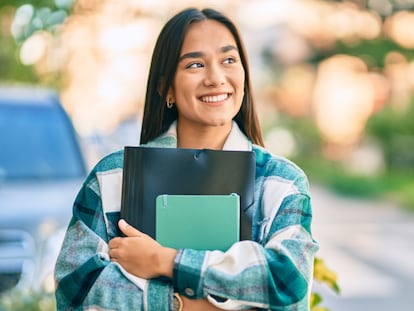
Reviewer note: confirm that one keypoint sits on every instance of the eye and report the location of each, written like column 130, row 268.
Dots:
column 229, row 60
column 195, row 65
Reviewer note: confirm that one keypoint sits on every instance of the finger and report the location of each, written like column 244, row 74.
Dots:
column 112, row 255
column 127, row 229
column 115, row 254
column 114, row 243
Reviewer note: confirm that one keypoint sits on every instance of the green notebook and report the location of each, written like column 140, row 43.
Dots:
column 201, row 222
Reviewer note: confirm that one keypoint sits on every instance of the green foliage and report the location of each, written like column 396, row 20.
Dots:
column 324, row 275
column 17, row 3
column 36, row 17
column 373, row 52
column 394, row 185
column 11, row 69
column 391, row 128
column 27, row 300
column 394, row 130
column 307, row 136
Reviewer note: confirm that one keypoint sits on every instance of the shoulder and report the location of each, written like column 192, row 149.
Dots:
column 271, row 166
column 110, row 162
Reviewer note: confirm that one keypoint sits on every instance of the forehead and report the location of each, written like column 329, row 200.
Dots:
column 207, row 34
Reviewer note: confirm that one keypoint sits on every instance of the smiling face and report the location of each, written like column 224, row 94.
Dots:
column 208, row 86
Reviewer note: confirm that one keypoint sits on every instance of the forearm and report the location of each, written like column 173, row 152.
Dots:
column 258, row 278
column 85, row 277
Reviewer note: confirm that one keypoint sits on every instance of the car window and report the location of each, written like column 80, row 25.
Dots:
column 37, row 142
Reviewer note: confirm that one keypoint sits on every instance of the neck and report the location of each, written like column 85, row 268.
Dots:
column 212, row 137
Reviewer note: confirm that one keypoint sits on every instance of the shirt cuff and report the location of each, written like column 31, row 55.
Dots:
column 187, row 273
column 159, row 295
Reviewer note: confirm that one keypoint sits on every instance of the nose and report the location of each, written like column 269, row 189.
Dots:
column 215, row 76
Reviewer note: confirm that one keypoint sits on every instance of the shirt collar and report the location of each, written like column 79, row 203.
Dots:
column 236, row 141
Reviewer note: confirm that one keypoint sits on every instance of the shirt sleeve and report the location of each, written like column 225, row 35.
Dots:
column 84, row 274
column 274, row 272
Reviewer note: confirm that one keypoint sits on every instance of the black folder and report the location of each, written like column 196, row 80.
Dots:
column 152, row 171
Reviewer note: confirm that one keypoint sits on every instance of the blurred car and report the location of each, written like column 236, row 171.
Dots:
column 127, row 133
column 41, row 170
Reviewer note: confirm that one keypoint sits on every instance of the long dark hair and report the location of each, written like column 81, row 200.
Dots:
column 157, row 118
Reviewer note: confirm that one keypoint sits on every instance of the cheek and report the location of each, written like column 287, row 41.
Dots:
column 184, row 87
column 241, row 87
column 239, row 79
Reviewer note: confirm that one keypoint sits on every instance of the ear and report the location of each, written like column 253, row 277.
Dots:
column 161, row 86
column 171, row 95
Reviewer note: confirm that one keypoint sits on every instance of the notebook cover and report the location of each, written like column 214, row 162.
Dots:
column 201, row 222
column 149, row 172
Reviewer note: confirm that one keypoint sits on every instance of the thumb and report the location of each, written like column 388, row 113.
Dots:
column 127, row 229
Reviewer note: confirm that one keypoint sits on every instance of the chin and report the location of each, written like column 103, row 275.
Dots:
column 220, row 123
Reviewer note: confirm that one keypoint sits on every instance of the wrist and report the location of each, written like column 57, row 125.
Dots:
column 167, row 257
column 177, row 302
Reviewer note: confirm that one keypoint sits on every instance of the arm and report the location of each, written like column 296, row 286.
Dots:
column 142, row 256
column 275, row 271
column 84, row 274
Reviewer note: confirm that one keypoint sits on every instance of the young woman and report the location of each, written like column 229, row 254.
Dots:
column 198, row 96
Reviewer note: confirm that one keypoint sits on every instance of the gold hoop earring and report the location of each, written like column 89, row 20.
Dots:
column 169, row 104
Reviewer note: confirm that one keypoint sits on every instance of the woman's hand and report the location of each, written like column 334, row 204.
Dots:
column 141, row 255
column 144, row 257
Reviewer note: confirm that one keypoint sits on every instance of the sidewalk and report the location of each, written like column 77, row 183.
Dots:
column 370, row 245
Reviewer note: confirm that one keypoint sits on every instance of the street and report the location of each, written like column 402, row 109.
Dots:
column 370, row 245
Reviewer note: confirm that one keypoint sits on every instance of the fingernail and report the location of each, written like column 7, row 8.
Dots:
column 122, row 223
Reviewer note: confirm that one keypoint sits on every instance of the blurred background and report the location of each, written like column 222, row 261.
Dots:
column 334, row 84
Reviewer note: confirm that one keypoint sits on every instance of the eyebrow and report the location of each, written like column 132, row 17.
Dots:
column 197, row 54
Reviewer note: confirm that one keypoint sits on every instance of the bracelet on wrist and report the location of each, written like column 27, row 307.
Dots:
column 177, row 302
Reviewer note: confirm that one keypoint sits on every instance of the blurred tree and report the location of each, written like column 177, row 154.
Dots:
column 394, row 129
column 383, row 7
column 372, row 52
column 20, row 19
column 11, row 69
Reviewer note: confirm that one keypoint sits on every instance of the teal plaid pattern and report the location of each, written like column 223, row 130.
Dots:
column 272, row 272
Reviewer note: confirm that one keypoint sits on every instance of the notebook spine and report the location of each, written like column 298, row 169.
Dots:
column 131, row 204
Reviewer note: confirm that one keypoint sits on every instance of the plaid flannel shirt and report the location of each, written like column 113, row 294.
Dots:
column 274, row 271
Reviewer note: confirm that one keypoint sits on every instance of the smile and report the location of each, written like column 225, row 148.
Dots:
column 214, row 99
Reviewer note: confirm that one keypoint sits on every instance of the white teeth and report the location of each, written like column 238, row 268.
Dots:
column 213, row 99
